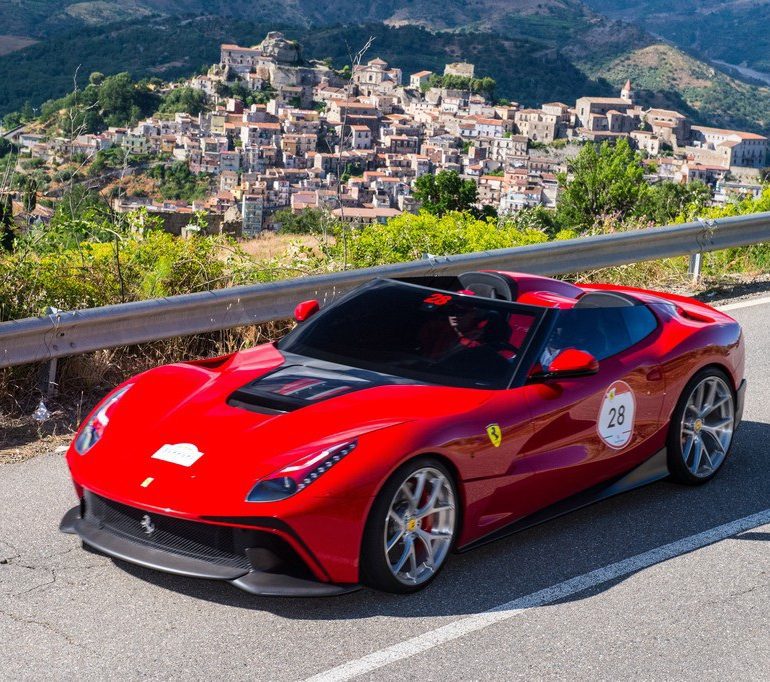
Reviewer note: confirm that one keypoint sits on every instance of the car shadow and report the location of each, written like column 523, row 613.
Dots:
column 543, row 556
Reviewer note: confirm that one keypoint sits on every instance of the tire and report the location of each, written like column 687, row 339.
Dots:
column 420, row 526
column 702, row 427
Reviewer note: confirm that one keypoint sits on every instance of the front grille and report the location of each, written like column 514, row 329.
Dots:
column 221, row 545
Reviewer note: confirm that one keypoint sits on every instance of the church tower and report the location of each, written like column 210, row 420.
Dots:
column 627, row 92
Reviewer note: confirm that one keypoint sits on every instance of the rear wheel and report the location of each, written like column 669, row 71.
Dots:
column 702, row 426
column 411, row 528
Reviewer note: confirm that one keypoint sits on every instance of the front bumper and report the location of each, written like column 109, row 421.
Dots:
column 251, row 559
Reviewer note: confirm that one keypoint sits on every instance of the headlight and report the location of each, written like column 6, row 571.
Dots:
column 298, row 476
column 93, row 429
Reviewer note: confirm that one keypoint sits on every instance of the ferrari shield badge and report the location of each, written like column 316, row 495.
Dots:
column 495, row 434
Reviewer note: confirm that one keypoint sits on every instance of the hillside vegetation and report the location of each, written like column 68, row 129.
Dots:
column 674, row 80
column 537, row 50
column 168, row 49
column 41, row 17
column 734, row 31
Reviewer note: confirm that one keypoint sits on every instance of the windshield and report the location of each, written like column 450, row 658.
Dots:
column 420, row 333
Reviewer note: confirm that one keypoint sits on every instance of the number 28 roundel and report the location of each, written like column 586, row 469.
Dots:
column 616, row 416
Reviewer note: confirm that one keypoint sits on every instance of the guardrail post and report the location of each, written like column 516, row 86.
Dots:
column 50, row 384
column 696, row 260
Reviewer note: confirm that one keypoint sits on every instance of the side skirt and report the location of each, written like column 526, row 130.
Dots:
column 653, row 469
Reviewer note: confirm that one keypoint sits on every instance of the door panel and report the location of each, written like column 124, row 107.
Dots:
column 581, row 426
column 565, row 452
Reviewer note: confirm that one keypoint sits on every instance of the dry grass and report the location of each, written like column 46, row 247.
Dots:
column 133, row 186
column 9, row 43
column 269, row 245
column 85, row 379
column 669, row 274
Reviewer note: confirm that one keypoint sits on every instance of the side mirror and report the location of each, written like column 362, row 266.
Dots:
column 305, row 310
column 568, row 364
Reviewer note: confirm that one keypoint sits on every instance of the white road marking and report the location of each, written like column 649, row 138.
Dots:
column 744, row 304
column 479, row 621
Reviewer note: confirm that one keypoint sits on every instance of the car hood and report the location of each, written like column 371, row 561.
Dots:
column 211, row 406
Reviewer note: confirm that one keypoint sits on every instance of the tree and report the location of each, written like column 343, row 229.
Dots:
column 536, row 218
column 177, row 181
column 12, row 120
column 96, row 78
column 306, row 221
column 27, row 112
column 5, row 147
column 445, row 192
column 6, row 223
column 29, row 195
column 668, row 200
column 485, row 86
column 121, row 101
column 603, row 182
column 184, row 101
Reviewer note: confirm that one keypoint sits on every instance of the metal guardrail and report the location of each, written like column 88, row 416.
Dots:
column 73, row 333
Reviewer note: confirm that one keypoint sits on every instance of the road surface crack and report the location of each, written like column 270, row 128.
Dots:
column 41, row 623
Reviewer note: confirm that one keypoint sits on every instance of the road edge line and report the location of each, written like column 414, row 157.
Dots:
column 549, row 595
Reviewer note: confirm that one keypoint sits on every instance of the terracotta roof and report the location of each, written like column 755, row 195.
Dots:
column 703, row 166
column 722, row 131
column 266, row 125
column 353, row 104
column 665, row 112
column 606, row 100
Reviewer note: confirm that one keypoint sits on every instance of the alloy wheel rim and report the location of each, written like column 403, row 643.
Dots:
column 419, row 528
column 707, row 426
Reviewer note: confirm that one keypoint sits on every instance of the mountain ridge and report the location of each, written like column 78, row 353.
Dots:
column 589, row 51
column 731, row 31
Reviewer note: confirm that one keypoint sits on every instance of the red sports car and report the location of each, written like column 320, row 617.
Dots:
column 409, row 419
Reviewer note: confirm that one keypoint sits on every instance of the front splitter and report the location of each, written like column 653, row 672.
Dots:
column 254, row 582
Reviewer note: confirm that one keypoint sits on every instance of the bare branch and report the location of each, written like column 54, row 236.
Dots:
column 355, row 60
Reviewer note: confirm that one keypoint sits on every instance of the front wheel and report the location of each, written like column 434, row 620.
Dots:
column 411, row 528
column 702, row 428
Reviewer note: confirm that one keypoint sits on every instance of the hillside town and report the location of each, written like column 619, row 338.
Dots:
column 353, row 143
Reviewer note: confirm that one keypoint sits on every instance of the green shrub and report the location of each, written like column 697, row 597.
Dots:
column 408, row 237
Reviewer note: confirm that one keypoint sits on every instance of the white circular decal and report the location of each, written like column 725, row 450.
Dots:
column 616, row 417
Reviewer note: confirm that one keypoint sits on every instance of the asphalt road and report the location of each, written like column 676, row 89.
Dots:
column 697, row 609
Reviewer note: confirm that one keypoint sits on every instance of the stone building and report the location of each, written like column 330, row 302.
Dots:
column 376, row 77
column 733, row 147
column 537, row 125
column 592, row 111
column 671, row 127
column 278, row 61
column 462, row 69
